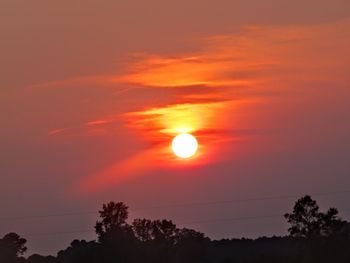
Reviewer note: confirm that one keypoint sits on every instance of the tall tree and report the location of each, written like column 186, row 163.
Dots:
column 113, row 219
column 307, row 221
column 11, row 247
column 116, row 237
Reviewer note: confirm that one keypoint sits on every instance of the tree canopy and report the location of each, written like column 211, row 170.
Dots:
column 307, row 221
column 314, row 236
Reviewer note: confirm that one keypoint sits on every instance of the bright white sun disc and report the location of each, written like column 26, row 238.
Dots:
column 184, row 145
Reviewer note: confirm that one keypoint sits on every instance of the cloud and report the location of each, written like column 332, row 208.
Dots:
column 219, row 93
column 255, row 56
column 57, row 131
column 96, row 122
column 230, row 60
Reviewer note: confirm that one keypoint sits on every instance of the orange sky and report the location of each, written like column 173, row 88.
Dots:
column 228, row 74
column 92, row 94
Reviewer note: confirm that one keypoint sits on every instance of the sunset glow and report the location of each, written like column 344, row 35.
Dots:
column 184, row 145
column 208, row 115
column 223, row 91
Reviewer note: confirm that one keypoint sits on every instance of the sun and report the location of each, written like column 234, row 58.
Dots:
column 184, row 145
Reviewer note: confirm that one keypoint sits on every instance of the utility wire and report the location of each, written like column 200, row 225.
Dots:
column 183, row 222
column 219, row 202
column 223, row 219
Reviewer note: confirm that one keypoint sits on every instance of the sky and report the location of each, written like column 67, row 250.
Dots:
column 93, row 92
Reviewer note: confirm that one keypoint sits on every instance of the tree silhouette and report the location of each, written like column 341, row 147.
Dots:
column 164, row 231
column 35, row 258
column 308, row 222
column 11, row 247
column 115, row 235
column 143, row 229
column 190, row 235
column 192, row 246
column 114, row 216
column 79, row 251
column 314, row 237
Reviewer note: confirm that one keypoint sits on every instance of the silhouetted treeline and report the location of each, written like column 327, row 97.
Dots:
column 314, row 236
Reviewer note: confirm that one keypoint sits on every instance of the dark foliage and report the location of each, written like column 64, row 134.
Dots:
column 314, row 237
column 308, row 222
column 11, row 247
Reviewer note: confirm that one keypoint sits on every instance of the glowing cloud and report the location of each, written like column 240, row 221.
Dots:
column 219, row 88
column 177, row 118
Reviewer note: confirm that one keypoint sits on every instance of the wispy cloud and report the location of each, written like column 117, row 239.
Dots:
column 228, row 75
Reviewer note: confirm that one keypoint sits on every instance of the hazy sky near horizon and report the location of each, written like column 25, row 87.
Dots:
column 92, row 92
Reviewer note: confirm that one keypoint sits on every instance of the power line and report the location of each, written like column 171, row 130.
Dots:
column 213, row 220
column 219, row 202
column 48, row 215
column 231, row 219
column 57, row 233
column 183, row 222
column 242, row 200
column 239, row 218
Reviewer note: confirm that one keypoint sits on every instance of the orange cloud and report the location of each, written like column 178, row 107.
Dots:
column 56, row 131
column 226, row 72
column 250, row 58
column 185, row 71
column 178, row 118
column 220, row 87
column 97, row 122
column 232, row 60
column 119, row 172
